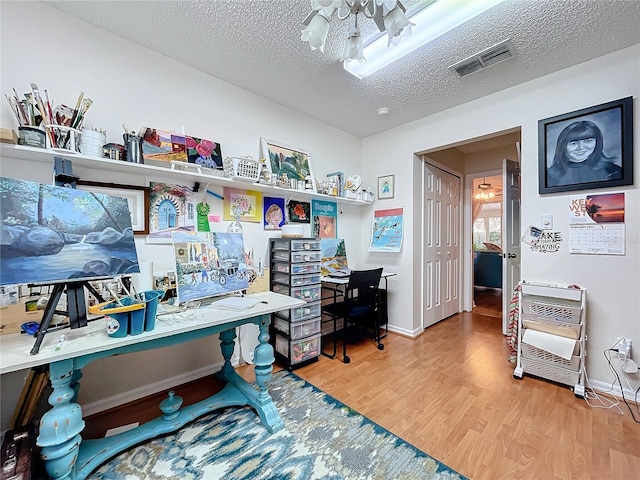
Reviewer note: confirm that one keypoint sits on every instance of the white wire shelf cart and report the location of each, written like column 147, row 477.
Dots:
column 552, row 334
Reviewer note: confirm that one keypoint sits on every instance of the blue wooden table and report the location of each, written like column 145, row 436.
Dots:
column 67, row 455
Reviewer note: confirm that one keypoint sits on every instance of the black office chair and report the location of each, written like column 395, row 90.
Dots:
column 358, row 304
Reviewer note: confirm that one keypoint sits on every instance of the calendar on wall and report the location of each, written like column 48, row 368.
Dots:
column 596, row 224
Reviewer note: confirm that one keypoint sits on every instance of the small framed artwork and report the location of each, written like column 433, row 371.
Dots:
column 385, row 187
column 137, row 199
column 282, row 159
column 586, row 149
column 242, row 205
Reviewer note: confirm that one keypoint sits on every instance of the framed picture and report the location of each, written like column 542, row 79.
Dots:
column 282, row 159
column 588, row 148
column 137, row 198
column 385, row 187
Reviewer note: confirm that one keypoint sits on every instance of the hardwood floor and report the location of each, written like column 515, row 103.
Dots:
column 451, row 393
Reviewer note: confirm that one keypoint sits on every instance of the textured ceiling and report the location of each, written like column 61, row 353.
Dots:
column 255, row 45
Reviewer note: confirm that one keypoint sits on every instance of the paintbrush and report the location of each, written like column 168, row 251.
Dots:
column 49, row 112
column 73, row 118
column 14, row 108
column 23, row 113
column 43, row 112
column 86, row 103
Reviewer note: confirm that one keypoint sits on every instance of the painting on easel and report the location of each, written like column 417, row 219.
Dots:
column 55, row 234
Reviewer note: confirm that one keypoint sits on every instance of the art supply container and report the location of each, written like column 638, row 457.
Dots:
column 151, row 299
column 133, row 144
column 61, row 137
column 92, row 142
column 122, row 320
column 31, row 137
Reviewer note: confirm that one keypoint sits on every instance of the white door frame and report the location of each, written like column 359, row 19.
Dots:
column 467, row 234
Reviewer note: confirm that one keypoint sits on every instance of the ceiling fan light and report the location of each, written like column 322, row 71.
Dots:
column 316, row 32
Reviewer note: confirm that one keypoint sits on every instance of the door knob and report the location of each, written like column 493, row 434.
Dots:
column 511, row 255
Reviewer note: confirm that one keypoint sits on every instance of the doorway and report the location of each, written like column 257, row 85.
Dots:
column 476, row 159
column 486, row 239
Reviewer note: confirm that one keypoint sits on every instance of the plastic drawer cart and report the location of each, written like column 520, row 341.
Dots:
column 551, row 334
column 295, row 271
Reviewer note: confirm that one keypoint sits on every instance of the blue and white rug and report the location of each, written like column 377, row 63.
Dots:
column 322, row 440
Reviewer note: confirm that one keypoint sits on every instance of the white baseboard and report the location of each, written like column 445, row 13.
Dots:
column 146, row 390
column 404, row 332
column 606, row 388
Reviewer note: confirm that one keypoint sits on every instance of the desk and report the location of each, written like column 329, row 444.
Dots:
column 66, row 455
column 382, row 318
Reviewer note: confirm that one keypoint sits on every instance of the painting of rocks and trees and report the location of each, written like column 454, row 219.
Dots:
column 53, row 234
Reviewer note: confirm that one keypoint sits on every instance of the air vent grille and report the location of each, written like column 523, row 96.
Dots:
column 490, row 56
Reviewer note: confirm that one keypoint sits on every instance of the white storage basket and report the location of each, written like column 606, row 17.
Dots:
column 242, row 168
column 535, row 353
column 559, row 309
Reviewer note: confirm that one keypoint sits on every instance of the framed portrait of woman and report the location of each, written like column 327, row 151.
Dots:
column 586, row 149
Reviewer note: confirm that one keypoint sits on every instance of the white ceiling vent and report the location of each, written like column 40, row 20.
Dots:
column 490, row 56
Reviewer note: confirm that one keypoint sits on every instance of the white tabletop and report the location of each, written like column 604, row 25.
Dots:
column 15, row 348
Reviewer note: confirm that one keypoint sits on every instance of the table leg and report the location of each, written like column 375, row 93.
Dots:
column 263, row 359
column 60, row 427
column 227, row 345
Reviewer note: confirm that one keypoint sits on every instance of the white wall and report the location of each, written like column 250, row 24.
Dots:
column 135, row 86
column 611, row 281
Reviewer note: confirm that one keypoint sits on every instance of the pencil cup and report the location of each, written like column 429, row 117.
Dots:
column 63, row 138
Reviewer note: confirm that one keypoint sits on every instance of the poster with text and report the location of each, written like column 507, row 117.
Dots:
column 387, row 230
column 325, row 219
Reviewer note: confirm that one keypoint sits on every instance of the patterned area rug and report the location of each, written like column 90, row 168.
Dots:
column 323, row 439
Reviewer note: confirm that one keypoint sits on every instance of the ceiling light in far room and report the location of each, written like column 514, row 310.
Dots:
column 389, row 16
column 485, row 192
column 430, row 22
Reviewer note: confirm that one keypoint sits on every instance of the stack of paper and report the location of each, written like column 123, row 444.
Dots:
column 235, row 303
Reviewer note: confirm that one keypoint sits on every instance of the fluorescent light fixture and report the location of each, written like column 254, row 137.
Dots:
column 430, row 22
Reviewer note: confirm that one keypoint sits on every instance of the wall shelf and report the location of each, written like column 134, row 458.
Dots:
column 43, row 155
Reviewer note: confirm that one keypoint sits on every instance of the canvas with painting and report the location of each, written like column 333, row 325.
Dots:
column 56, row 234
column 209, row 264
column 334, row 258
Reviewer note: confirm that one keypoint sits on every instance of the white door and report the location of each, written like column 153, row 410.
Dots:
column 441, row 234
column 510, row 235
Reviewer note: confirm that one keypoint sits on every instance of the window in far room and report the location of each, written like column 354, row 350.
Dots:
column 487, row 227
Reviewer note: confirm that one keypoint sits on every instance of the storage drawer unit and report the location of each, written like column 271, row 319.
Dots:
column 298, row 351
column 305, row 312
column 297, row 330
column 295, row 245
column 296, row 271
column 310, row 293
column 307, row 256
column 297, row 280
column 297, row 268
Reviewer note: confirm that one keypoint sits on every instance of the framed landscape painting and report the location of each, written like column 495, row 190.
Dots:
column 293, row 162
